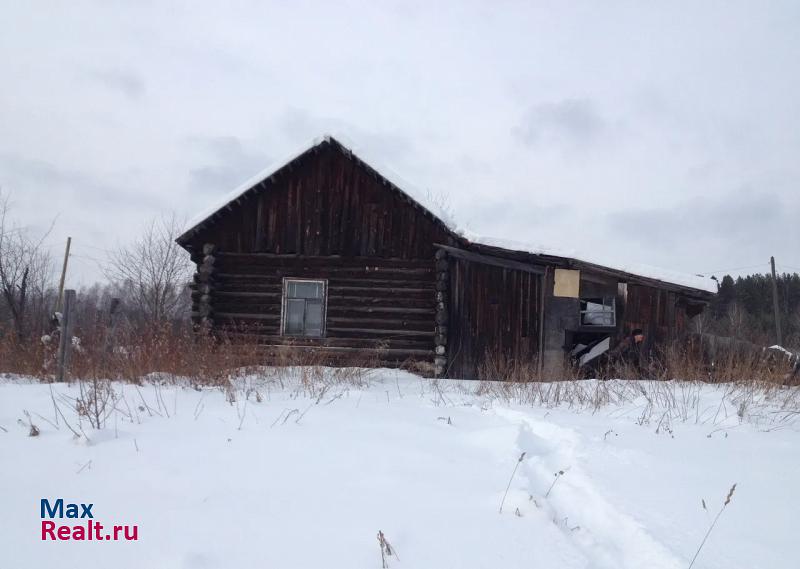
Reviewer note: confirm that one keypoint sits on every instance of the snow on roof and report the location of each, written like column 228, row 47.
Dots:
column 427, row 200
column 698, row 282
column 231, row 196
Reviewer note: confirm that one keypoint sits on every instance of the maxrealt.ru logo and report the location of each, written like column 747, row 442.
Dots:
column 88, row 529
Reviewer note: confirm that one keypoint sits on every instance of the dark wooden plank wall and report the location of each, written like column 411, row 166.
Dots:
column 493, row 311
column 380, row 310
column 597, row 286
column 655, row 311
column 327, row 204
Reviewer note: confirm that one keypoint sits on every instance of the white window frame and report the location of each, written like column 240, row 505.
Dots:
column 285, row 298
column 605, row 302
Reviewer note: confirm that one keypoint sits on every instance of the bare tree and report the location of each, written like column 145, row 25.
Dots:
column 736, row 319
column 25, row 270
column 153, row 272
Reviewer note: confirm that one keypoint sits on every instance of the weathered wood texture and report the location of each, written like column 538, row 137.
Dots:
column 493, row 313
column 442, row 312
column 327, row 215
column 203, row 287
column 660, row 313
column 377, row 309
column 327, row 203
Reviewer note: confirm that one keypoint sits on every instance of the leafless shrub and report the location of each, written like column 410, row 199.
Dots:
column 96, row 401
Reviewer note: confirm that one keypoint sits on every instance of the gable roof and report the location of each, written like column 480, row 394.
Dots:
column 418, row 199
column 428, row 205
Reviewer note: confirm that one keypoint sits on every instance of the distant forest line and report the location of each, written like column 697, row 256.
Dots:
column 743, row 308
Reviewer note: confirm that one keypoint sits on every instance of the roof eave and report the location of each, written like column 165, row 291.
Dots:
column 572, row 263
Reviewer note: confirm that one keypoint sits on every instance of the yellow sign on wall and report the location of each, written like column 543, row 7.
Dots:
column 567, row 283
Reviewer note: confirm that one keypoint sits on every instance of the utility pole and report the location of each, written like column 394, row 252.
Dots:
column 63, row 275
column 775, row 303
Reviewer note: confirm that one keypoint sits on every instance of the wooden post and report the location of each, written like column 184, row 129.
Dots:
column 440, row 338
column 65, row 340
column 63, row 275
column 542, row 302
column 778, row 333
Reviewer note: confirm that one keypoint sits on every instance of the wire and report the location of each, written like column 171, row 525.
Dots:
column 734, row 268
column 94, row 259
column 93, row 247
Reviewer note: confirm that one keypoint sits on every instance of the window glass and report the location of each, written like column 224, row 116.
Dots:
column 304, row 307
column 295, row 309
column 304, row 289
column 598, row 312
column 313, row 324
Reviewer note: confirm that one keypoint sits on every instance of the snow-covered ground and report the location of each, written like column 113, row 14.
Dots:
column 277, row 475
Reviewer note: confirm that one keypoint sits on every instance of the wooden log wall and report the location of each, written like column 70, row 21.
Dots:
column 380, row 311
column 203, row 288
column 326, row 215
column 493, row 312
column 442, row 312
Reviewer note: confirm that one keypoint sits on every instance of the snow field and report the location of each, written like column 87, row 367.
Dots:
column 283, row 474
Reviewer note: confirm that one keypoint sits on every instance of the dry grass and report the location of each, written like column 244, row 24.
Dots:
column 713, row 523
column 167, row 353
column 131, row 353
column 669, row 386
column 690, row 361
column 658, row 403
column 502, row 366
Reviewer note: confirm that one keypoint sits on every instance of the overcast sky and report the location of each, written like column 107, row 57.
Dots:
column 662, row 134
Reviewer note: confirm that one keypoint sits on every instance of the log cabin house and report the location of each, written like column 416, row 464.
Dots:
column 327, row 254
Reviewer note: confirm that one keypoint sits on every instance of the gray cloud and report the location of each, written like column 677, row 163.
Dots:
column 123, row 81
column 573, row 121
column 740, row 228
column 231, row 164
column 300, row 125
column 528, row 217
column 39, row 173
column 42, row 180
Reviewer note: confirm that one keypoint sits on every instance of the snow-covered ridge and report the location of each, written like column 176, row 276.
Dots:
column 427, row 201
column 698, row 282
column 237, row 192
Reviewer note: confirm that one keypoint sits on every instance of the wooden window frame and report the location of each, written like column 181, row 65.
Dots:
column 612, row 312
column 285, row 298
